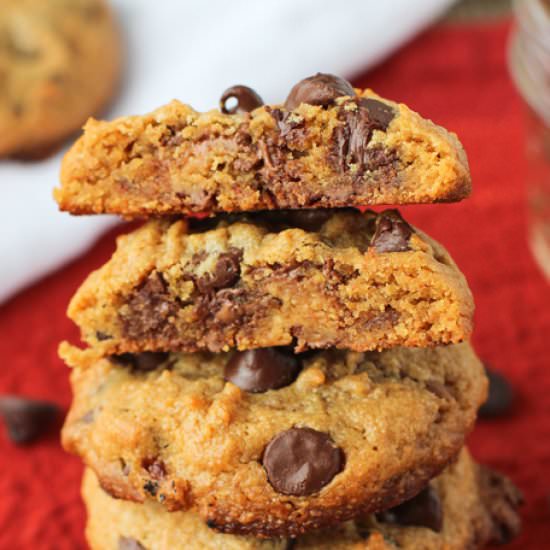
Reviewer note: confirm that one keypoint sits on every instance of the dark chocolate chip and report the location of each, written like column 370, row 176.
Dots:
column 247, row 100
column 27, row 419
column 102, row 336
column 226, row 272
column 392, row 233
column 321, row 89
column 501, row 396
column 502, row 500
column 128, row 543
column 151, row 487
column 142, row 362
column 380, row 113
column 259, row 370
column 423, row 510
column 301, row 461
column 308, row 220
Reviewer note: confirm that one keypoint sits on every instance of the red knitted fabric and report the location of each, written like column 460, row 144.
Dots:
column 457, row 76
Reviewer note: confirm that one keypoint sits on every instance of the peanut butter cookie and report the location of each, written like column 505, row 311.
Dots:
column 321, row 279
column 328, row 146
column 270, row 442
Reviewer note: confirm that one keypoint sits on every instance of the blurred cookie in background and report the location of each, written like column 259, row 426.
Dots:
column 59, row 64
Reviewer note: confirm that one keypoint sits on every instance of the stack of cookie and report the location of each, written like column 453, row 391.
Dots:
column 289, row 370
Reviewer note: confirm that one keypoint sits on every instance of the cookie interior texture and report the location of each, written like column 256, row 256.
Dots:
column 476, row 506
column 59, row 64
column 169, row 427
column 318, row 150
column 327, row 279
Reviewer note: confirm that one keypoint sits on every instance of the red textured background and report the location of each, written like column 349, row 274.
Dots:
column 457, row 76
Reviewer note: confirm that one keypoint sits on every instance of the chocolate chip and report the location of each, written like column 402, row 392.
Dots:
column 321, row 89
column 142, row 362
column 392, row 232
column 151, row 487
column 502, row 500
column 308, row 220
column 259, row 370
column 423, row 510
column 128, row 543
column 301, row 461
column 27, row 419
column 380, row 113
column 226, row 272
column 501, row 396
column 102, row 336
column 247, row 100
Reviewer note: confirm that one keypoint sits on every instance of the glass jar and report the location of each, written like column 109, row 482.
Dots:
column 529, row 60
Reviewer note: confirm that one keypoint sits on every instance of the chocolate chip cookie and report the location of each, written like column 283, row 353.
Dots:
column 59, row 64
column 465, row 508
column 329, row 145
column 267, row 441
column 329, row 278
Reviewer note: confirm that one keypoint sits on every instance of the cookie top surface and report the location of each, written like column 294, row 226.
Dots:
column 328, row 146
column 317, row 279
column 465, row 508
column 59, row 64
column 340, row 432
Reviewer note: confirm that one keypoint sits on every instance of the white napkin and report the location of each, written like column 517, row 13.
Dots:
column 193, row 50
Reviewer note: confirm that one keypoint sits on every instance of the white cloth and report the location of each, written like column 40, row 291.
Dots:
column 193, row 50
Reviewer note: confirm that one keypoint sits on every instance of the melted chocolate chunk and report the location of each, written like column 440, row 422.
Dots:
column 27, row 419
column 321, row 89
column 226, row 273
column 381, row 114
column 301, row 461
column 102, row 336
column 128, row 543
column 423, row 510
column 150, row 308
column 247, row 100
column 142, row 362
column 501, row 396
column 260, row 370
column 350, row 150
column 392, row 233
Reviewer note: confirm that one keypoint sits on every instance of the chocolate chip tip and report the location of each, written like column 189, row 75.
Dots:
column 246, row 98
column 320, row 89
